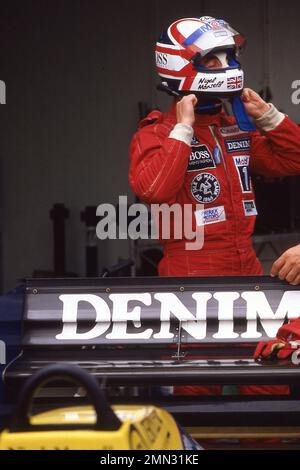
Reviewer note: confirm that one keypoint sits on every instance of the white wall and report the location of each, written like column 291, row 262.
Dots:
column 75, row 72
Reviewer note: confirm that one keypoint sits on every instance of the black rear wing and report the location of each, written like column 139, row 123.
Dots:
column 140, row 334
column 156, row 330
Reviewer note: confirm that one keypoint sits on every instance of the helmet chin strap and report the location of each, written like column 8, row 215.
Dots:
column 243, row 121
column 240, row 114
column 215, row 105
column 209, row 108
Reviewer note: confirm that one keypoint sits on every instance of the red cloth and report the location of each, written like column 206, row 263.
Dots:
column 282, row 347
column 286, row 343
column 242, row 390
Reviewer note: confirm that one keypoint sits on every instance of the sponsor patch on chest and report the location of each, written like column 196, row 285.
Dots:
column 205, row 188
column 238, row 145
column 242, row 168
column 249, row 208
column 229, row 131
column 200, row 159
column 209, row 216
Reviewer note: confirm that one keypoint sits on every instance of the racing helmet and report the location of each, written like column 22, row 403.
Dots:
column 181, row 53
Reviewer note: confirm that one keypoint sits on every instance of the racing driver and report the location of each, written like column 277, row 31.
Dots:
column 198, row 154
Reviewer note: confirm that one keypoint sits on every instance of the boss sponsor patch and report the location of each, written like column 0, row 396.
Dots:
column 166, row 61
column 242, row 167
column 213, row 215
column 200, row 159
column 205, row 188
column 238, row 145
column 249, row 208
column 230, row 131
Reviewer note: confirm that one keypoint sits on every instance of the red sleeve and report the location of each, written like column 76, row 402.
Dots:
column 277, row 153
column 157, row 164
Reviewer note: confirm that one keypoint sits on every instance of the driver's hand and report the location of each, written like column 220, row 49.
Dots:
column 185, row 110
column 255, row 106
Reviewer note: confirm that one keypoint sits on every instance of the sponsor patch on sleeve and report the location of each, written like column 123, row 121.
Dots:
column 213, row 215
column 238, row 145
column 249, row 208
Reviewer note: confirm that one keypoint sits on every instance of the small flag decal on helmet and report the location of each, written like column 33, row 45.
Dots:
column 234, row 83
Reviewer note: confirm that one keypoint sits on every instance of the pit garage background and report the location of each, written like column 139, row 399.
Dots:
column 78, row 75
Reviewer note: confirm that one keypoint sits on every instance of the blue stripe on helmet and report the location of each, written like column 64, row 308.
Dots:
column 192, row 38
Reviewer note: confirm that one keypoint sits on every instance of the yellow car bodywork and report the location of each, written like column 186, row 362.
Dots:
column 143, row 427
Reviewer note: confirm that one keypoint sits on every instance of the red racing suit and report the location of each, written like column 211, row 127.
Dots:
column 213, row 171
